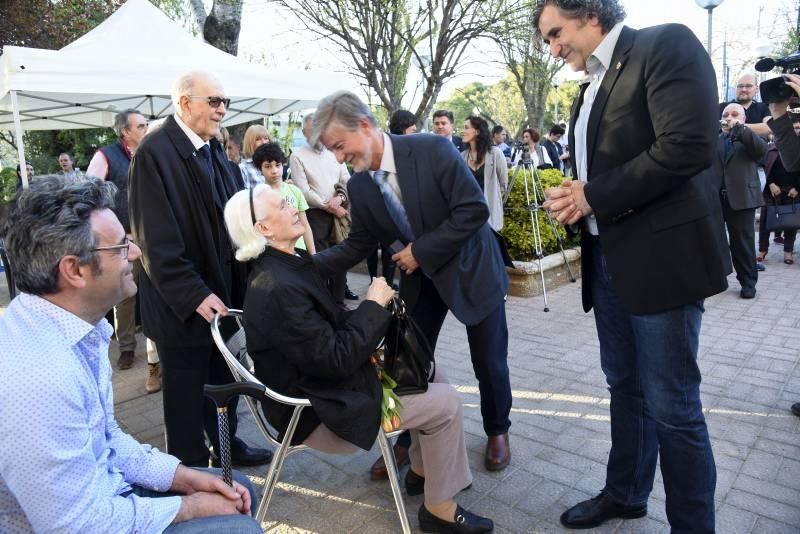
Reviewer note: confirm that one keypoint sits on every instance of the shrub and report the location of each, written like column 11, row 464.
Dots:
column 517, row 228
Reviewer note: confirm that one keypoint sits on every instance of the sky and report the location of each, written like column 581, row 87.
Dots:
column 276, row 38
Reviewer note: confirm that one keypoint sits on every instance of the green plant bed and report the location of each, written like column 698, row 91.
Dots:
column 517, row 227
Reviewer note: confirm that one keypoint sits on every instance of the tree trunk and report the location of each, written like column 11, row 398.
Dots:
column 222, row 26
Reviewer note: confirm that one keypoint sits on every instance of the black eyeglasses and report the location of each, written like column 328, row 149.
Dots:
column 252, row 208
column 124, row 248
column 214, row 101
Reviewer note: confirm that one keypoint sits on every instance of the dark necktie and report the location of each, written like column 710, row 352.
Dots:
column 205, row 152
column 393, row 205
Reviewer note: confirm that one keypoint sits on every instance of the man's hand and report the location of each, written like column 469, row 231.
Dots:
column 210, row 306
column 567, row 204
column 339, row 212
column 202, row 504
column 190, row 481
column 774, row 190
column 334, row 202
column 792, row 193
column 405, row 260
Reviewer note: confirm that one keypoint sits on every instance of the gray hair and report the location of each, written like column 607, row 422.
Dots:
column 121, row 120
column 343, row 108
column 608, row 12
column 50, row 221
column 248, row 241
column 184, row 85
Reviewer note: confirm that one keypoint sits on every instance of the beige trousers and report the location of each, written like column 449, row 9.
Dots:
column 436, row 421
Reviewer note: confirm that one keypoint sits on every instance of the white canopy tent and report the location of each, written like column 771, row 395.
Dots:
column 131, row 60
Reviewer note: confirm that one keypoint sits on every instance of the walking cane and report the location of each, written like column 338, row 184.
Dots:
column 221, row 396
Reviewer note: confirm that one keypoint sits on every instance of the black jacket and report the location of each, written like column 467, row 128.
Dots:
column 186, row 251
column 304, row 345
column 651, row 135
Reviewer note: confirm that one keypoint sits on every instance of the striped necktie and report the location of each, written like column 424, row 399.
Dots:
column 393, row 205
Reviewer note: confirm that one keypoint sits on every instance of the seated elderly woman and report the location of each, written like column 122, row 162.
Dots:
column 304, row 345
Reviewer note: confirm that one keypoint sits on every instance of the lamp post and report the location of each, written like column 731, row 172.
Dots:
column 709, row 6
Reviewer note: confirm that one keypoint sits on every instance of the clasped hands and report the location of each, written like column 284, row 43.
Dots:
column 334, row 206
column 567, row 203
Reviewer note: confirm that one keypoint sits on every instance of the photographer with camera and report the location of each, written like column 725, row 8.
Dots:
column 739, row 152
column 785, row 112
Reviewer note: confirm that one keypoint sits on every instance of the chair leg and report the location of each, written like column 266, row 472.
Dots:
column 271, row 480
column 394, row 480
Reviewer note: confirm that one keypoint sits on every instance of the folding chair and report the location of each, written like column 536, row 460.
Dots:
column 12, row 286
column 234, row 350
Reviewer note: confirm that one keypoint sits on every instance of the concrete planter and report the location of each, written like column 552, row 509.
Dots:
column 525, row 280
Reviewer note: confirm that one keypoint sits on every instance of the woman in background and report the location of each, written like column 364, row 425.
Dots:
column 488, row 166
column 255, row 136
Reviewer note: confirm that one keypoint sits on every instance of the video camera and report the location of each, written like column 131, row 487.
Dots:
column 775, row 89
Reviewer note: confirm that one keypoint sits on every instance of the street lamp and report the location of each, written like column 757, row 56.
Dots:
column 709, row 6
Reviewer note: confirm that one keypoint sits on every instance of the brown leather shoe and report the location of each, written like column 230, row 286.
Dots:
column 498, row 452
column 378, row 469
column 125, row 360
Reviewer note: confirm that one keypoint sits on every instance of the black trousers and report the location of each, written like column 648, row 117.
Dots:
column 386, row 262
column 187, row 413
column 488, row 347
column 321, row 223
column 742, row 238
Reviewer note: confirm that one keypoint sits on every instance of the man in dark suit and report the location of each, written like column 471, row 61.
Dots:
column 443, row 123
column 643, row 131
column 739, row 154
column 415, row 194
column 179, row 183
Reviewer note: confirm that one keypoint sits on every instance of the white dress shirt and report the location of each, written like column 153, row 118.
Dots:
column 596, row 66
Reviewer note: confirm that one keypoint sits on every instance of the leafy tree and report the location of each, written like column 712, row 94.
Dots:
column 566, row 93
column 527, row 58
column 500, row 103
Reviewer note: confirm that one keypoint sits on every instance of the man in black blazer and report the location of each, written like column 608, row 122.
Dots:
column 642, row 131
column 443, row 124
column 739, row 153
column 415, row 194
column 179, row 182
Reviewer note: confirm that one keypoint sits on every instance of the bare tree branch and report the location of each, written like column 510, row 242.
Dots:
column 384, row 38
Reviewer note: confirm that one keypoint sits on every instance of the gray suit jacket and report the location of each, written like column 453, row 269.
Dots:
column 740, row 168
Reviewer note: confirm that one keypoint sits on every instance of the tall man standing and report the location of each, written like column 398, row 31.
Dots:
column 757, row 113
column 316, row 172
column 643, row 129
column 111, row 163
column 179, row 183
column 417, row 191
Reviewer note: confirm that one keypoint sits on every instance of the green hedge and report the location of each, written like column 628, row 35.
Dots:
column 517, row 221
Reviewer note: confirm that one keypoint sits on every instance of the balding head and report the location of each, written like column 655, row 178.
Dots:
column 746, row 89
column 733, row 114
column 198, row 99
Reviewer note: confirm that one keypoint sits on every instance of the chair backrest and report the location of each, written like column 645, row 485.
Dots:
column 234, row 350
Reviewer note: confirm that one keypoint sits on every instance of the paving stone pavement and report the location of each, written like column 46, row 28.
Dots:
column 749, row 354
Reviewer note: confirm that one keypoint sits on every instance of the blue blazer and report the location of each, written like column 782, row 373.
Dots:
column 454, row 245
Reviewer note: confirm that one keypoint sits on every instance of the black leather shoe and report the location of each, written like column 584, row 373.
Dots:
column 597, row 510
column 464, row 522
column 245, row 456
column 795, row 411
column 415, row 484
column 748, row 292
column 349, row 295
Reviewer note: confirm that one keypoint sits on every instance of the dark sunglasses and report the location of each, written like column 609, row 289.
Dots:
column 214, row 101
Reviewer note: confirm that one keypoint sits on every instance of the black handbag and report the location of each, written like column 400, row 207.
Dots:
column 407, row 354
column 783, row 216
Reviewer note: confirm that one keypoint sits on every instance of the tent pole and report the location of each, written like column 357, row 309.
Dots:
column 23, row 168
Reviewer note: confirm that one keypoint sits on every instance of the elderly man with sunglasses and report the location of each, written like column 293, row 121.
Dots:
column 180, row 181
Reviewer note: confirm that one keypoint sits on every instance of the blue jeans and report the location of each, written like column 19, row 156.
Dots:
column 650, row 363
column 230, row 524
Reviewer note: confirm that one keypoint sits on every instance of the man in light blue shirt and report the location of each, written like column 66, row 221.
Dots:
column 65, row 465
